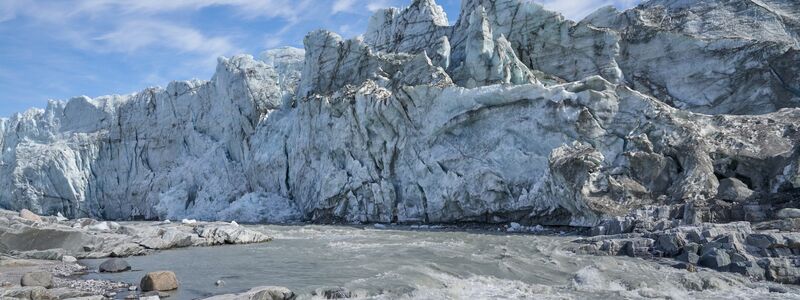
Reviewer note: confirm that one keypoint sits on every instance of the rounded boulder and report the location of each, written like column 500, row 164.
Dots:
column 114, row 265
column 159, row 281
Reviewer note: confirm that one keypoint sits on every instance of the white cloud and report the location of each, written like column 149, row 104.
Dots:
column 135, row 35
column 10, row 8
column 273, row 42
column 343, row 5
column 288, row 9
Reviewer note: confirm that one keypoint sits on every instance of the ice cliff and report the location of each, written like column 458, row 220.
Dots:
column 512, row 113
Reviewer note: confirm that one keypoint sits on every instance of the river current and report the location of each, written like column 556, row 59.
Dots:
column 398, row 263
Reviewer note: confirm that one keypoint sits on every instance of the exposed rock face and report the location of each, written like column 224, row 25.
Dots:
column 511, row 114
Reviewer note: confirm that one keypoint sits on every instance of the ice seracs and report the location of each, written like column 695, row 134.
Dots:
column 512, row 114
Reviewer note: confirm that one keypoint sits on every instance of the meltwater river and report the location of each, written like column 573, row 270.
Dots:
column 413, row 264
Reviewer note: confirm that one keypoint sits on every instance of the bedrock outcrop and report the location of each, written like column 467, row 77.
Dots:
column 512, row 114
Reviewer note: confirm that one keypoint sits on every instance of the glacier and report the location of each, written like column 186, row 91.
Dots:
column 513, row 113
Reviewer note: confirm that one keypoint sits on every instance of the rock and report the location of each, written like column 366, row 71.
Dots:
column 69, row 293
column 49, row 254
column 788, row 213
column 127, row 249
column 333, row 293
column 114, row 265
column 260, row 293
column 748, row 268
column 782, row 270
column 716, row 259
column 159, row 281
column 733, row 189
column 27, row 292
column 29, row 215
column 42, row 279
column 689, row 256
column 670, row 245
column 69, row 259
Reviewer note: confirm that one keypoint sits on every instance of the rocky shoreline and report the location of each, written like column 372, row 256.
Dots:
column 759, row 239
column 39, row 254
column 766, row 250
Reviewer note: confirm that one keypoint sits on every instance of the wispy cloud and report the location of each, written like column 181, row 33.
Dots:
column 343, row 5
column 132, row 36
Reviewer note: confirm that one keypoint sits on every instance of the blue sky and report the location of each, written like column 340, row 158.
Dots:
column 57, row 49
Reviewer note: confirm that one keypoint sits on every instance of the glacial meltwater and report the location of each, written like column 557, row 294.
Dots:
column 397, row 263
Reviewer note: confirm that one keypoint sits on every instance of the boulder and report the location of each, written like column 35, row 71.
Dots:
column 788, row 213
column 732, row 189
column 670, row 244
column 128, row 249
column 114, row 265
column 260, row 293
column 29, row 215
column 26, row 292
column 159, row 281
column 333, row 293
column 689, row 255
column 716, row 259
column 42, row 279
column 782, row 270
column 274, row 293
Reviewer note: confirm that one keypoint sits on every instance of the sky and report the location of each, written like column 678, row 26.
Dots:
column 59, row 49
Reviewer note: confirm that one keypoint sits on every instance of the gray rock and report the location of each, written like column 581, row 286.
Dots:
column 42, row 279
column 114, row 265
column 782, row 270
column 669, row 244
column 716, row 259
column 159, row 281
column 788, row 213
column 333, row 293
column 26, row 292
column 128, row 249
column 260, row 293
column 689, row 257
column 733, row 189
